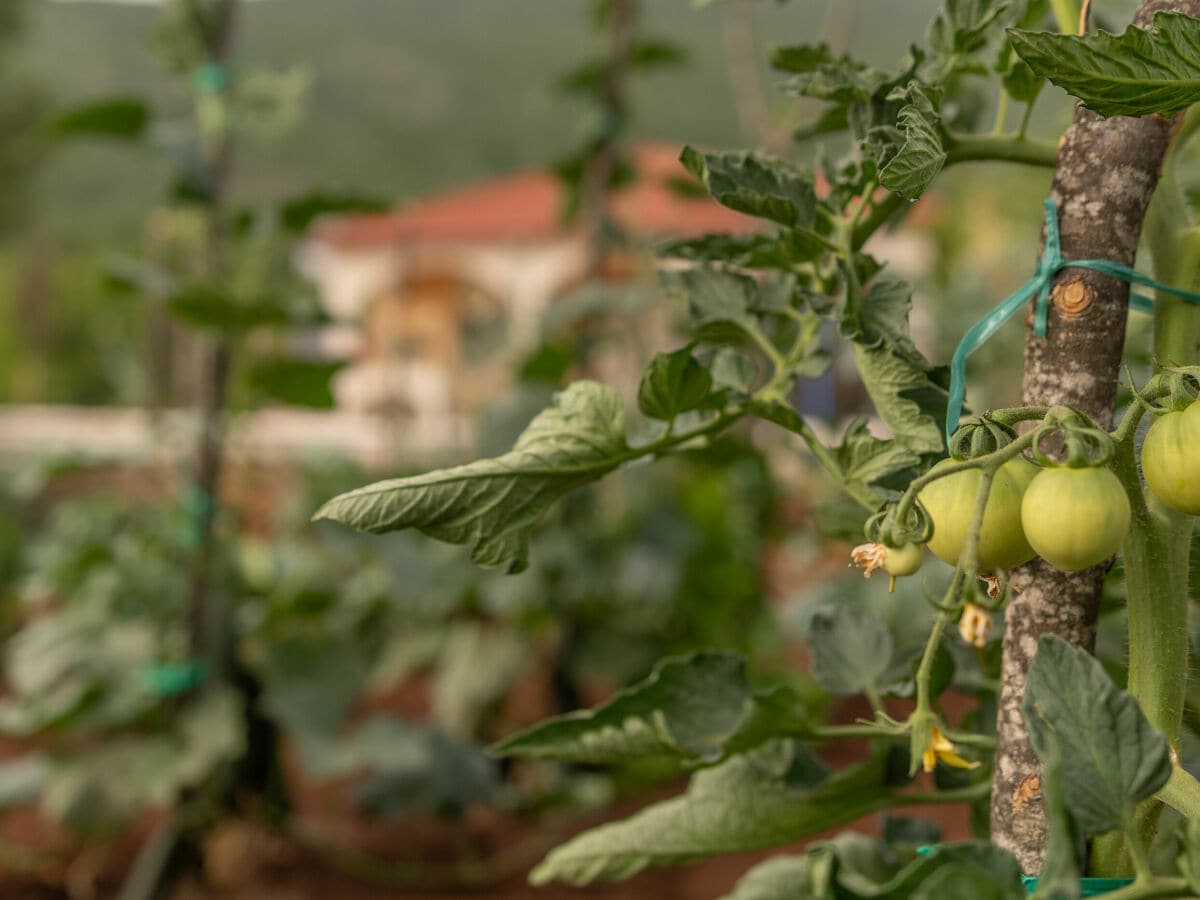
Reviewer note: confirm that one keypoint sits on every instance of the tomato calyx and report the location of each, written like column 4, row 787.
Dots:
column 978, row 436
column 1084, row 444
column 1171, row 390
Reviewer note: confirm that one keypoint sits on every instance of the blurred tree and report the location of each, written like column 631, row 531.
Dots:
column 21, row 106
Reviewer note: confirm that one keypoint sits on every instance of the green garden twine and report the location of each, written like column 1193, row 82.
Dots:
column 1048, row 266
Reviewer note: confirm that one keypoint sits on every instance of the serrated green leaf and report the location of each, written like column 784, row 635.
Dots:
column 746, row 803
column 674, row 383
column 492, row 504
column 1117, row 759
column 719, row 303
column 890, row 377
column 694, row 710
column 756, row 185
column 914, row 166
column 1022, row 83
column 856, row 867
column 1136, row 73
column 781, row 877
column 116, row 117
column 961, row 26
column 865, row 459
column 850, row 648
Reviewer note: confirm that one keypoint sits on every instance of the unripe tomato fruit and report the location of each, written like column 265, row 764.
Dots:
column 904, row 560
column 951, row 501
column 1171, row 459
column 1075, row 518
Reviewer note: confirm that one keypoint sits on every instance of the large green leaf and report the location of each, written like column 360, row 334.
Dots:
column 692, row 709
column 767, row 188
column 1135, row 73
column 855, row 867
column 904, row 397
column 492, row 504
column 1116, row 758
column 747, row 803
column 850, row 647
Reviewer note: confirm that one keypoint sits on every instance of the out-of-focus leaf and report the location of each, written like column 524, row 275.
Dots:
column 301, row 382
column 298, row 213
column 116, row 117
column 850, row 647
column 693, row 709
column 1117, row 759
column 746, row 803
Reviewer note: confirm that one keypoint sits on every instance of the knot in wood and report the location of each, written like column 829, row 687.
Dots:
column 1073, row 297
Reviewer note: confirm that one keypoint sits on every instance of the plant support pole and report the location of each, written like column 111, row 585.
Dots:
column 1106, row 173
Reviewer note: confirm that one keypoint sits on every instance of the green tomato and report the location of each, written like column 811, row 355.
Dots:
column 951, row 501
column 1171, row 459
column 1075, row 518
column 904, row 560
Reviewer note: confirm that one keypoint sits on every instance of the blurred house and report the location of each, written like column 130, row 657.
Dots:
column 435, row 300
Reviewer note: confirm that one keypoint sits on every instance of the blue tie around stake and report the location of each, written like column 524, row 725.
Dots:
column 1048, row 266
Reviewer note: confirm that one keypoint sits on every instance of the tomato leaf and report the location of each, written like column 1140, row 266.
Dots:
column 756, row 185
column 693, row 709
column 850, row 649
column 909, row 170
column 961, row 27
column 856, row 867
column 866, row 459
column 1135, row 73
column 674, row 383
column 492, row 504
column 1117, row 759
column 759, row 799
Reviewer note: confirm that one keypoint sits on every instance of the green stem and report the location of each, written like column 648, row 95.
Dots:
column 925, row 669
column 979, row 148
column 1181, row 793
column 962, row 148
column 1066, row 15
column 1001, row 113
column 1025, row 117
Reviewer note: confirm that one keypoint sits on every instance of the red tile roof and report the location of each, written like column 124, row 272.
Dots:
column 527, row 206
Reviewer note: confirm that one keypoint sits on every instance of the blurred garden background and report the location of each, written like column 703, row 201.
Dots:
column 256, row 253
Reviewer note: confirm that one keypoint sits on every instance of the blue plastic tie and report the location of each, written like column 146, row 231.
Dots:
column 1048, row 266
column 211, row 78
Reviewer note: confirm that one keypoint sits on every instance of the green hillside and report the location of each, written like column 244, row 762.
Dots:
column 409, row 95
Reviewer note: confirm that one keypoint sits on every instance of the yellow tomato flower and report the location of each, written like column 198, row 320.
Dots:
column 940, row 749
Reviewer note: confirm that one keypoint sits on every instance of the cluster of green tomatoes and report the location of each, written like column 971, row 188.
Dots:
column 1073, row 513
